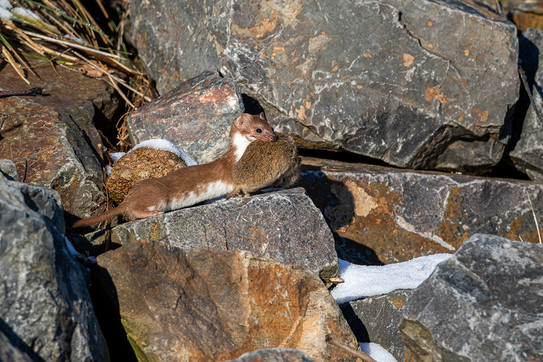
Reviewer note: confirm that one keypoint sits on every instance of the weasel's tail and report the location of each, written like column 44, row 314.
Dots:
column 96, row 219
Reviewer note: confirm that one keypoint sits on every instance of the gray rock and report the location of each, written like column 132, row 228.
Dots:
column 274, row 355
column 376, row 319
column 398, row 215
column 196, row 116
column 45, row 308
column 8, row 170
column 527, row 154
column 285, row 226
column 483, row 304
column 384, row 79
column 52, row 139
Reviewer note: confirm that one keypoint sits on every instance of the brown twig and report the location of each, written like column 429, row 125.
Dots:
column 26, row 92
column 364, row 356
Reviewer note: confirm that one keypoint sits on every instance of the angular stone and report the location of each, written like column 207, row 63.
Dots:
column 308, row 63
column 390, row 215
column 483, row 304
column 8, row 170
column 274, row 355
column 376, row 319
column 184, row 305
column 52, row 138
column 527, row 16
column 285, row 226
column 46, row 311
column 196, row 116
column 527, row 153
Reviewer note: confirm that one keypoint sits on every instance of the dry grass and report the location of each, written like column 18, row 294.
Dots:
column 65, row 34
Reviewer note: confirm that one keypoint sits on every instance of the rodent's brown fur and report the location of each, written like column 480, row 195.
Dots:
column 178, row 188
column 265, row 164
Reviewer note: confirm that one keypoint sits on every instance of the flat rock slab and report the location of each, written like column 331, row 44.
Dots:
column 384, row 79
column 483, row 304
column 186, row 305
column 196, row 116
column 46, row 311
column 376, row 319
column 398, row 215
column 285, row 226
column 52, row 138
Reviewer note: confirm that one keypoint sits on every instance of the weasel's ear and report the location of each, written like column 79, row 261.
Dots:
column 262, row 115
column 241, row 119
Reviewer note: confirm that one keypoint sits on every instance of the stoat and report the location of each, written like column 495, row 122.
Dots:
column 193, row 184
column 266, row 164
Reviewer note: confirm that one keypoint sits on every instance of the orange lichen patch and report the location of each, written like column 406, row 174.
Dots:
column 450, row 228
column 363, row 202
column 435, row 92
column 316, row 43
column 301, row 113
column 359, row 86
column 335, row 68
column 279, row 55
column 258, row 31
column 519, row 231
column 398, row 301
column 430, row 23
column 462, row 81
column 407, row 60
column 466, row 52
column 367, row 55
column 462, row 117
column 482, row 115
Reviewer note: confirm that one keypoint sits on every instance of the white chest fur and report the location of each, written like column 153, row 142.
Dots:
column 240, row 144
column 204, row 192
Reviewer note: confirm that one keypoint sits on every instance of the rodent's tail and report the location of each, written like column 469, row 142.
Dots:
column 96, row 219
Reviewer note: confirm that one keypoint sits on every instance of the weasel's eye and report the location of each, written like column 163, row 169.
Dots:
column 258, row 130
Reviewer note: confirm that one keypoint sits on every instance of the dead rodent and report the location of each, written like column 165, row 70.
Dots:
column 265, row 164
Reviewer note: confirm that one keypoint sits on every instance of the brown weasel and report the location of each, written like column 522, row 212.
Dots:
column 265, row 164
column 193, row 184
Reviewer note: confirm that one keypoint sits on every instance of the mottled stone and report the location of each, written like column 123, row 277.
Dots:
column 285, row 226
column 274, row 355
column 379, row 78
column 52, row 138
column 397, row 215
column 140, row 164
column 483, row 304
column 526, row 16
column 376, row 319
column 196, row 116
column 46, row 311
column 528, row 151
column 8, row 170
column 216, row 305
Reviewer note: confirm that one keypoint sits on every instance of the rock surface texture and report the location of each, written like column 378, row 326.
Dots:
column 399, row 215
column 285, row 226
column 483, row 304
column 196, row 116
column 45, row 308
column 379, row 78
column 527, row 154
column 52, row 138
column 376, row 319
column 216, row 305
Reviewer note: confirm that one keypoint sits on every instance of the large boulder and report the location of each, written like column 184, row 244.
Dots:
column 195, row 116
column 483, row 304
column 45, row 308
column 180, row 305
column 285, row 226
column 384, row 79
column 527, row 153
column 389, row 215
column 52, row 138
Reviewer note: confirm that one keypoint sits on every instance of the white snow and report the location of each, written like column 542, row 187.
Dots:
column 165, row 145
column 378, row 353
column 26, row 13
column 116, row 155
column 370, row 280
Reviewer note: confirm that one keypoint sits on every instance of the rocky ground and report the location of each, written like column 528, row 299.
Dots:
column 417, row 137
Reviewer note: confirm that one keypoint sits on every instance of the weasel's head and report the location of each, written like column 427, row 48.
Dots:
column 253, row 127
column 248, row 128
